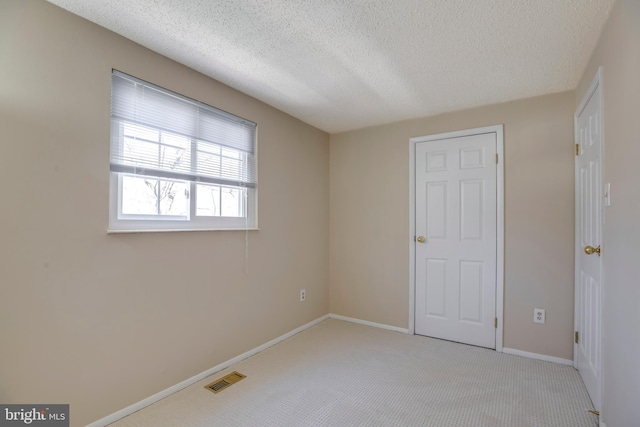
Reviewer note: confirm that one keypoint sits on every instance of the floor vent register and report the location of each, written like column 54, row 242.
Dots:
column 225, row 382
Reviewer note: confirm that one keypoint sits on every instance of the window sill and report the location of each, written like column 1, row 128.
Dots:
column 178, row 230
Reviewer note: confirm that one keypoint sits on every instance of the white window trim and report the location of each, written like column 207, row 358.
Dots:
column 148, row 223
column 119, row 223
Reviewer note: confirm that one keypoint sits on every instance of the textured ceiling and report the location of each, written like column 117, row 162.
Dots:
column 341, row 65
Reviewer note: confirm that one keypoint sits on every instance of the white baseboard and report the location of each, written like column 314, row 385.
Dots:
column 538, row 356
column 366, row 322
column 186, row 383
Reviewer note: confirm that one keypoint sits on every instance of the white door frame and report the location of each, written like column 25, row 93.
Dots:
column 498, row 130
column 595, row 84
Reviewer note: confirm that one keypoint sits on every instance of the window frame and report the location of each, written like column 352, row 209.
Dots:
column 120, row 222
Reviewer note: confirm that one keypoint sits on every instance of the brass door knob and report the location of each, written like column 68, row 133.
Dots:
column 590, row 250
column 421, row 239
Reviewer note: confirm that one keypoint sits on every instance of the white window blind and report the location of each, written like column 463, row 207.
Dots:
column 141, row 106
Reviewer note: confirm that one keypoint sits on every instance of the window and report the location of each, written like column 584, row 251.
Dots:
column 178, row 164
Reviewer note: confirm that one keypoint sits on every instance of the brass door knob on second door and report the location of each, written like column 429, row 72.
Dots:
column 421, row 239
column 590, row 250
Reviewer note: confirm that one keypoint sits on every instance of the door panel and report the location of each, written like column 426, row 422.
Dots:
column 437, row 210
column 456, row 210
column 471, row 286
column 435, row 302
column 471, row 209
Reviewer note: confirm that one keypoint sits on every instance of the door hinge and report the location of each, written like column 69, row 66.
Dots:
column 577, row 150
column 495, row 324
column 576, row 337
column 497, row 159
column 594, row 412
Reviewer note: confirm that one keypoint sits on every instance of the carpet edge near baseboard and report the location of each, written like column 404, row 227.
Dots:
column 538, row 356
column 368, row 323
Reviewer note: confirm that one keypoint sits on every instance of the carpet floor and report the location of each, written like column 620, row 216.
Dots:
column 338, row 373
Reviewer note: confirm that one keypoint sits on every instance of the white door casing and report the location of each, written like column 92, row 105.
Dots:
column 589, row 202
column 457, row 197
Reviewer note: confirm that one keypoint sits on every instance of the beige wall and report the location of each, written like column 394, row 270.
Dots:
column 618, row 52
column 102, row 321
column 369, row 218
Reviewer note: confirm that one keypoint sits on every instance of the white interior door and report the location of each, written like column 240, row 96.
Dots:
column 456, row 229
column 589, row 194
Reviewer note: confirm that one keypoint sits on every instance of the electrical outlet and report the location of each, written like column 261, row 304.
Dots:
column 538, row 315
column 303, row 295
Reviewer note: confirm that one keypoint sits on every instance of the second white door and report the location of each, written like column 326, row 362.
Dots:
column 588, row 287
column 456, row 239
